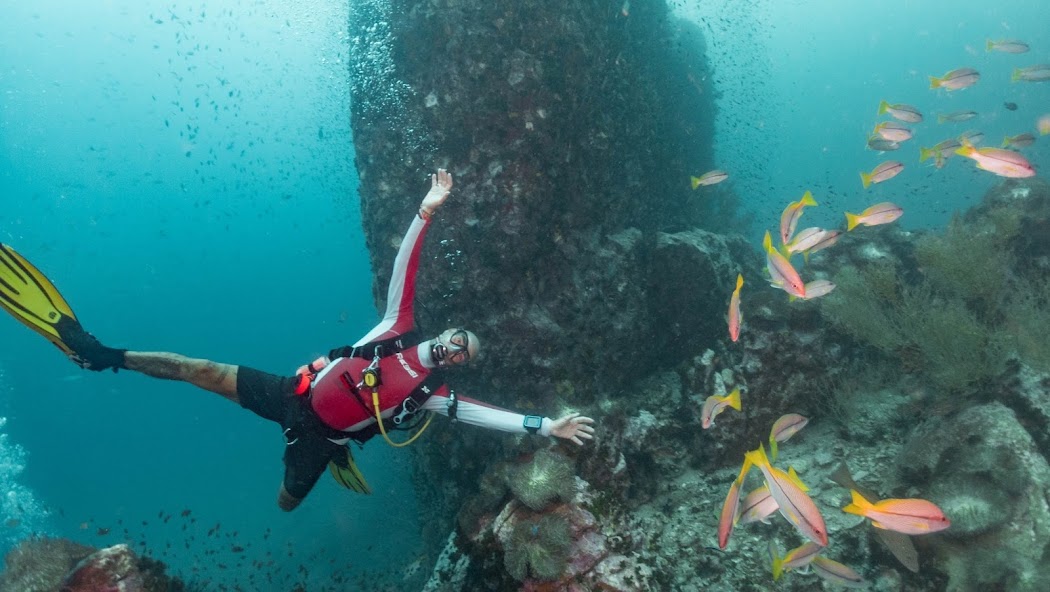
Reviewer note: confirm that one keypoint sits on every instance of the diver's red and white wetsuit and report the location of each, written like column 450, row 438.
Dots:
column 401, row 372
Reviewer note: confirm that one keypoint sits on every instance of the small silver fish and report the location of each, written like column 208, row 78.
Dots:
column 956, row 116
column 957, row 79
column 1019, row 141
column 882, row 145
column 901, row 112
column 1040, row 73
column 1007, row 46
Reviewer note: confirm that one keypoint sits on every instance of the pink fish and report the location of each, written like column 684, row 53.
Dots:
column 805, row 240
column 883, row 172
column 781, row 274
column 880, row 213
column 943, row 149
column 1005, row 163
column 830, row 238
column 818, row 288
column 892, row 131
column 907, row 516
column 709, row 178
column 793, row 211
column 734, row 310
column 730, row 509
column 788, row 425
column 757, row 506
column 715, row 405
column 795, row 558
column 901, row 112
column 956, row 79
column 791, row 499
column 836, row 573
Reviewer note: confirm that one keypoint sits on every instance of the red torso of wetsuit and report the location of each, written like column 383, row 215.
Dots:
column 336, row 405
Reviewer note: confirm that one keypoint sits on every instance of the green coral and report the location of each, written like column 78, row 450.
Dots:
column 965, row 261
column 548, row 476
column 861, row 311
column 934, row 327
column 1026, row 319
column 538, row 548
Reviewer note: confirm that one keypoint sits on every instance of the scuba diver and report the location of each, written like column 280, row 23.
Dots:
column 389, row 379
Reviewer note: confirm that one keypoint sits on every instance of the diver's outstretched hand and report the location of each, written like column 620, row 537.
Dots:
column 573, row 427
column 440, row 185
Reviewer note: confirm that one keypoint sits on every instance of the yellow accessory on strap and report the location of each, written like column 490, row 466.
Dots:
column 382, row 428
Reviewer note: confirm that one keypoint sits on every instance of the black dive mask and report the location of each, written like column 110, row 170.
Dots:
column 455, row 352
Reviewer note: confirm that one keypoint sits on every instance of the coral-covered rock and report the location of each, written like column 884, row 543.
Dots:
column 692, row 273
column 988, row 476
column 61, row 565
column 41, row 563
column 113, row 569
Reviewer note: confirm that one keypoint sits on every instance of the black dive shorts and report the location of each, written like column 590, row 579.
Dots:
column 308, row 451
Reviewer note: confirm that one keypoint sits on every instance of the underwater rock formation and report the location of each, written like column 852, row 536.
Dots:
column 561, row 547
column 61, row 565
column 571, row 132
column 985, row 471
column 41, row 563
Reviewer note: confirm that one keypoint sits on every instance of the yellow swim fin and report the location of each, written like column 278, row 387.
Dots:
column 346, row 473
column 32, row 299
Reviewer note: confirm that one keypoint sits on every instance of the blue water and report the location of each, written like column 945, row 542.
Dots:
column 189, row 186
column 802, row 81
column 184, row 171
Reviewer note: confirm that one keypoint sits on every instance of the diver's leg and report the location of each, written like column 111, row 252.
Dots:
column 305, row 459
column 287, row 501
column 212, row 376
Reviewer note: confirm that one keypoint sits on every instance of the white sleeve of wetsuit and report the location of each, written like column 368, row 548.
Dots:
column 485, row 415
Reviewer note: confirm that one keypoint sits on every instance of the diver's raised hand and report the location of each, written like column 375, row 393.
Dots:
column 440, row 185
column 573, row 427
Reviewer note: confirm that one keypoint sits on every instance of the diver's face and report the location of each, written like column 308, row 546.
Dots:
column 454, row 347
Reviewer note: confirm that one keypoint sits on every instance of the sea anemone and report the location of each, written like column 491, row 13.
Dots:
column 547, row 477
column 538, row 548
column 975, row 509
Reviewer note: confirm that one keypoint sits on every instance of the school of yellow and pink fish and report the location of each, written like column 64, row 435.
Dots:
column 784, row 492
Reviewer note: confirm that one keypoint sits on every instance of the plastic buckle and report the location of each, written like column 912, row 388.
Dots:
column 406, row 410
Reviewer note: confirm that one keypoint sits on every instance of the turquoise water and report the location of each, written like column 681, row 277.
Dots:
column 802, row 81
column 189, row 186
column 184, row 171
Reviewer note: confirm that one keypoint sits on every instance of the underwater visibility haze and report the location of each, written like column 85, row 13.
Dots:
column 792, row 257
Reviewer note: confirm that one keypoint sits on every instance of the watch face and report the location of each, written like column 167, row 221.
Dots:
column 532, row 421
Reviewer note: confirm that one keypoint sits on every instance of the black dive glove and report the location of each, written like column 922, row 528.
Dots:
column 88, row 352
